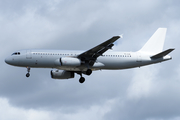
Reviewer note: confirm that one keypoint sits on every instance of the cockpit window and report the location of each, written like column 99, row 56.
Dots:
column 16, row 53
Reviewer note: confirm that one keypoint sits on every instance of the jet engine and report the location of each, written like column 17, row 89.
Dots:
column 68, row 61
column 61, row 74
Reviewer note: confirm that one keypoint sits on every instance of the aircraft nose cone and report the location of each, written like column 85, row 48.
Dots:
column 8, row 60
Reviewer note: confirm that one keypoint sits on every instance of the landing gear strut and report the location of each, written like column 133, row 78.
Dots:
column 28, row 70
column 82, row 79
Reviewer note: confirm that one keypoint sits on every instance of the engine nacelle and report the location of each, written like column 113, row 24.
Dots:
column 69, row 61
column 61, row 74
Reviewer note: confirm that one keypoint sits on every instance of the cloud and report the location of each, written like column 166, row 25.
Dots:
column 9, row 112
column 148, row 93
column 142, row 83
column 148, row 97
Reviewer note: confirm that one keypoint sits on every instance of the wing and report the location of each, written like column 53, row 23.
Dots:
column 90, row 56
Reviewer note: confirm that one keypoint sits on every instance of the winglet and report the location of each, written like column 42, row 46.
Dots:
column 121, row 36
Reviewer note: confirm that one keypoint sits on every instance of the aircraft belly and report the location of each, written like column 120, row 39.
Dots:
column 72, row 68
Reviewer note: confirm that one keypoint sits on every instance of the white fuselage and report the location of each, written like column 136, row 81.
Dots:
column 109, row 60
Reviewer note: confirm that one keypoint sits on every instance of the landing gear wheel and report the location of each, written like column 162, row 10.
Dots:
column 88, row 72
column 27, row 75
column 28, row 70
column 82, row 79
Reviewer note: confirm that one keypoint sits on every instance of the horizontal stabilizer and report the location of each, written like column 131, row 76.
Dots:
column 162, row 54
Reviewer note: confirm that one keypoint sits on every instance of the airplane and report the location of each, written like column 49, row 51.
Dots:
column 69, row 62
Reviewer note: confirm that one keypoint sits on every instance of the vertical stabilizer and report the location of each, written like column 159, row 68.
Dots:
column 156, row 42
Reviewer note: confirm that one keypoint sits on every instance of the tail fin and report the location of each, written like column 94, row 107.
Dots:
column 156, row 42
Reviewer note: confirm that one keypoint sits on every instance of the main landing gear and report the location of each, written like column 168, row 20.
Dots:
column 28, row 70
column 88, row 72
column 82, row 79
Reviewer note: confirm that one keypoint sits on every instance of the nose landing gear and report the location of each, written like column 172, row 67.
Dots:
column 28, row 70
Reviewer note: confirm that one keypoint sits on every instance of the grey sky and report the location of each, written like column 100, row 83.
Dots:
column 147, row 93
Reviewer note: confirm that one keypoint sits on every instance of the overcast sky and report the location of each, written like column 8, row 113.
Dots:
column 146, row 93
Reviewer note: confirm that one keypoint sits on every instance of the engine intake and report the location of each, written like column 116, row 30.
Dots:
column 61, row 74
